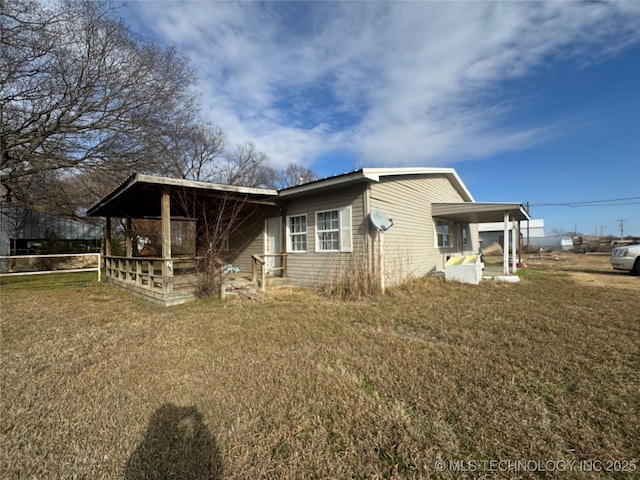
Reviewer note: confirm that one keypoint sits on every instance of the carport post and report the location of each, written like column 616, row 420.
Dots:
column 505, row 247
column 514, row 248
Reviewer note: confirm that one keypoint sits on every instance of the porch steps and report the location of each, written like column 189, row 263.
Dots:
column 241, row 285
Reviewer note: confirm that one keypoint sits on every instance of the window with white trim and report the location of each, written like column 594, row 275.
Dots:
column 444, row 231
column 328, row 231
column 297, row 233
column 333, row 230
column 465, row 235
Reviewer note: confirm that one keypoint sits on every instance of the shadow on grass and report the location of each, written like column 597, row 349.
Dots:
column 177, row 444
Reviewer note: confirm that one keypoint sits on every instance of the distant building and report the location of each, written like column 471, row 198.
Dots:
column 531, row 235
column 493, row 232
column 24, row 231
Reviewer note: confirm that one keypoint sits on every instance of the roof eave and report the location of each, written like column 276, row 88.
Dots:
column 374, row 175
column 138, row 178
column 222, row 187
column 338, row 180
column 472, row 211
column 91, row 212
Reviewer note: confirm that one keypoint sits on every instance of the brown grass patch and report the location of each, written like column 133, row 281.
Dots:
column 586, row 269
column 99, row 384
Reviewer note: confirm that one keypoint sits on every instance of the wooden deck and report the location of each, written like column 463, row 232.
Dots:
column 174, row 281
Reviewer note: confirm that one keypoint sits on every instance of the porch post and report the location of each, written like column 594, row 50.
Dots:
column 167, row 264
column 127, row 238
column 520, row 246
column 107, row 238
column 128, row 274
column 505, row 247
column 107, row 248
column 514, row 248
column 284, row 242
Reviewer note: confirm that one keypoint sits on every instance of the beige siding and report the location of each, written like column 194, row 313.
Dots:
column 315, row 268
column 410, row 245
column 249, row 238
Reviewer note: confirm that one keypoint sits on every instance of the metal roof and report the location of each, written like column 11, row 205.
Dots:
column 25, row 223
column 373, row 175
column 139, row 196
column 478, row 212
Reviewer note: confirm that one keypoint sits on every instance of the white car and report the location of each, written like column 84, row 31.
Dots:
column 627, row 258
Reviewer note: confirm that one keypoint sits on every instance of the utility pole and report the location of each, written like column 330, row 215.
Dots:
column 621, row 221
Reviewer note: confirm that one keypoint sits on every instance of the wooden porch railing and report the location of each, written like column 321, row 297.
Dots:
column 151, row 273
column 159, row 274
column 259, row 261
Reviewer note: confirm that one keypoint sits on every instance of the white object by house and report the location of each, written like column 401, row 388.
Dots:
column 464, row 268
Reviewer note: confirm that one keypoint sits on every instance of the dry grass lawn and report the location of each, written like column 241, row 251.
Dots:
column 98, row 384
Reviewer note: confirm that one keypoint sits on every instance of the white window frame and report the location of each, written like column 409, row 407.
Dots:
column 291, row 234
column 447, row 238
column 344, row 230
column 465, row 233
column 335, row 231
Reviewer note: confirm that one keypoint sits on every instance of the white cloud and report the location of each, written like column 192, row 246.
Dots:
column 395, row 83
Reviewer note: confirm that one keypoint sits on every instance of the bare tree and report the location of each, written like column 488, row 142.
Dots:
column 72, row 195
column 218, row 218
column 196, row 152
column 78, row 91
column 246, row 166
column 292, row 175
column 83, row 103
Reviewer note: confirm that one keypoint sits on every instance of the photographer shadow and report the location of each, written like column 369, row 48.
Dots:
column 177, row 444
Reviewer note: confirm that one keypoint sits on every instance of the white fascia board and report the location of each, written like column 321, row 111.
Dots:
column 205, row 185
column 375, row 173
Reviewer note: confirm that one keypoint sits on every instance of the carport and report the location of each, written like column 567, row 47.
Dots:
column 480, row 212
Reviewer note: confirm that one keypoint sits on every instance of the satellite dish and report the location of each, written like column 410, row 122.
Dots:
column 379, row 220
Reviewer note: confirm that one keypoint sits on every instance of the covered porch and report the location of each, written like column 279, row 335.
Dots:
column 481, row 212
column 164, row 237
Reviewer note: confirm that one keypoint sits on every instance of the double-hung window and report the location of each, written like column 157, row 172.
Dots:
column 465, row 236
column 443, row 233
column 333, row 230
column 297, row 233
column 328, row 231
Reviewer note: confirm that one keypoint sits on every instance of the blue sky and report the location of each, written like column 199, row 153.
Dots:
column 530, row 101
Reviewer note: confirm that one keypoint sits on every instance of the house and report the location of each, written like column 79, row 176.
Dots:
column 312, row 233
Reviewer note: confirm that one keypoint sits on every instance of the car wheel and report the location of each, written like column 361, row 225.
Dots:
column 636, row 267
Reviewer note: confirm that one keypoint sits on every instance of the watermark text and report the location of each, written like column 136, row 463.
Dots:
column 519, row 466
